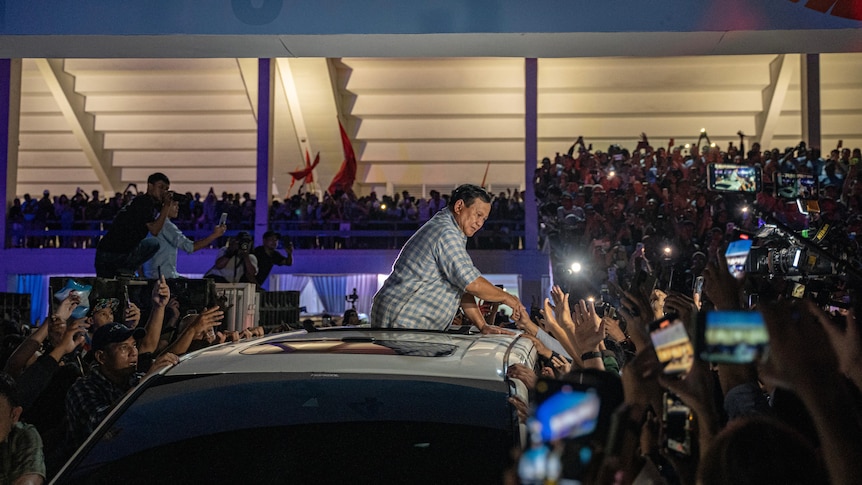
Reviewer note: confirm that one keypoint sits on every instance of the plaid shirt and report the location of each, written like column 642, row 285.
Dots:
column 89, row 400
column 430, row 275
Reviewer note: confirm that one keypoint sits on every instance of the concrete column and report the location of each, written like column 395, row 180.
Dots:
column 10, row 114
column 531, row 218
column 809, row 74
column 264, row 148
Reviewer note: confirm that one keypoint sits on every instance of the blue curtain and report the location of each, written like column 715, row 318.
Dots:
column 288, row 282
column 366, row 287
column 37, row 286
column 332, row 290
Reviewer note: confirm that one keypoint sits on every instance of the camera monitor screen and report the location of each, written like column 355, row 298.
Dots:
column 734, row 178
column 796, row 186
column 733, row 337
column 736, row 254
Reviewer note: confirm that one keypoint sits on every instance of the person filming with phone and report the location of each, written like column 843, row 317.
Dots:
column 171, row 239
column 235, row 262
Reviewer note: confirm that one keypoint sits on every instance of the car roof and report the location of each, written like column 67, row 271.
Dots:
column 366, row 351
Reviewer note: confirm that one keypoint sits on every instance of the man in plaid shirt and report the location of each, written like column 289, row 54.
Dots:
column 91, row 398
column 433, row 274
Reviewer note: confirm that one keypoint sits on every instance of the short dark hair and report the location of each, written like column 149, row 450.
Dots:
column 9, row 389
column 468, row 193
column 158, row 177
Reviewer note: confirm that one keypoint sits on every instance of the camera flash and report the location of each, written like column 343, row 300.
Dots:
column 576, row 267
column 667, row 249
column 703, row 130
column 611, row 174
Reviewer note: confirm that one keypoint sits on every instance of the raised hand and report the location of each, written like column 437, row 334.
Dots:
column 161, row 292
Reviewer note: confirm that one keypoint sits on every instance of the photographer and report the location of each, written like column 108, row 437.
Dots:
column 268, row 256
column 235, row 262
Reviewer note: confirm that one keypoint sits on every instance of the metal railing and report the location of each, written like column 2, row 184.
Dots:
column 332, row 234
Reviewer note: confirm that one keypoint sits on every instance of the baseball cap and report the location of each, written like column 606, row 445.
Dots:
column 269, row 234
column 113, row 333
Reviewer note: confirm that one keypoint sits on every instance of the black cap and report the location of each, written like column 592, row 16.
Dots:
column 269, row 234
column 114, row 333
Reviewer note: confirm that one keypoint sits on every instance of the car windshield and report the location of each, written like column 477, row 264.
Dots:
column 281, row 427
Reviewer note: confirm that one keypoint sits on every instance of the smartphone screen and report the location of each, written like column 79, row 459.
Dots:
column 736, row 254
column 734, row 178
column 568, row 413
column 676, row 419
column 223, row 219
column 733, row 337
column 672, row 344
column 796, row 186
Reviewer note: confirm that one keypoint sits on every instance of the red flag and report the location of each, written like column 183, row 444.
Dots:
column 305, row 173
column 347, row 173
column 310, row 177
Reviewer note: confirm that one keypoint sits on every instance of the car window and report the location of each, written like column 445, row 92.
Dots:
column 281, row 427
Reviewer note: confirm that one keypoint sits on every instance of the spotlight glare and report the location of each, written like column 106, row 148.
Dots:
column 576, row 267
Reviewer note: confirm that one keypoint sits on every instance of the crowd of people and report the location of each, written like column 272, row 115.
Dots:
column 648, row 230
column 304, row 214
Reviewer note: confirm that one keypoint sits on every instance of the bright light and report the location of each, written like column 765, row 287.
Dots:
column 591, row 299
column 703, row 130
column 667, row 249
column 712, row 145
column 611, row 174
column 744, row 208
column 576, row 267
column 687, row 146
column 383, row 207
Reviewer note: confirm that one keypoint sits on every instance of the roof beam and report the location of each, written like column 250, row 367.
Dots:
column 780, row 72
column 83, row 124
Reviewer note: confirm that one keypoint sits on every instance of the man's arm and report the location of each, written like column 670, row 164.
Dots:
column 250, row 262
column 161, row 296
column 155, row 227
column 287, row 260
column 218, row 232
column 482, row 288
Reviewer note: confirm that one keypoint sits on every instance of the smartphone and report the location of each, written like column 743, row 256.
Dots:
column 731, row 337
column 796, row 186
column 568, row 413
column 643, row 282
column 697, row 288
column 570, row 420
column 676, row 423
column 672, row 344
column 734, row 178
column 223, row 219
column 736, row 255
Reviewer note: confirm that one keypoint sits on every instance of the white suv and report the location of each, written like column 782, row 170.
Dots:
column 342, row 405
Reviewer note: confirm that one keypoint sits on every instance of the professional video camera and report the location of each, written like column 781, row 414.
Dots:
column 779, row 253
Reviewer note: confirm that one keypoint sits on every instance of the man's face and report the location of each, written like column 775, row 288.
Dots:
column 121, row 357
column 157, row 190
column 8, row 417
column 471, row 218
column 102, row 317
column 271, row 242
